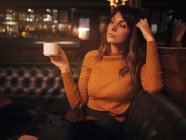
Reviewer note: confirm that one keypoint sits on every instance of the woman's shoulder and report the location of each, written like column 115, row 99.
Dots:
column 92, row 53
column 89, row 58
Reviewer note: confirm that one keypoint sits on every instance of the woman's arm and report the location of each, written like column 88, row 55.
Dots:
column 76, row 93
column 151, row 74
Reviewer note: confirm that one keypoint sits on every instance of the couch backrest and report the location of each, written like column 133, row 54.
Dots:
column 173, row 62
column 32, row 80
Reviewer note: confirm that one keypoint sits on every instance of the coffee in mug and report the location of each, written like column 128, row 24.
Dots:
column 50, row 49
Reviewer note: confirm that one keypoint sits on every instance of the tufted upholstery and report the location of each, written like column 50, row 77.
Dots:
column 155, row 117
column 32, row 81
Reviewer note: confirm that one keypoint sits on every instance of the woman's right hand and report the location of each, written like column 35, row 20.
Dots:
column 61, row 61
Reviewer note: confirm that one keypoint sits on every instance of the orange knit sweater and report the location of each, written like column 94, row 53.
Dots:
column 100, row 86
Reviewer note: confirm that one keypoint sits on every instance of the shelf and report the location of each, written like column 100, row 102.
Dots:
column 9, row 22
column 66, row 42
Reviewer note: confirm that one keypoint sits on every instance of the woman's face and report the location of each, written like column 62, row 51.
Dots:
column 118, row 30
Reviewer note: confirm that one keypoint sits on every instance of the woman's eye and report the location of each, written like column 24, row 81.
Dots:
column 123, row 25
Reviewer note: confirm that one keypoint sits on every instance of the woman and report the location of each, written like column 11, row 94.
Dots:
column 112, row 75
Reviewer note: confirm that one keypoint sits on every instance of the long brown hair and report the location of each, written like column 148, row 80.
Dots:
column 134, row 52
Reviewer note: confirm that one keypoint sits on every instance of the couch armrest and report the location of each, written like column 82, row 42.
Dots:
column 154, row 117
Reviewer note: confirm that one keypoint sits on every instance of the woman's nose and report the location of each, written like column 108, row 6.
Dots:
column 114, row 28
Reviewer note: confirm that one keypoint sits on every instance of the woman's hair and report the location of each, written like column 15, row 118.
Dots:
column 133, row 51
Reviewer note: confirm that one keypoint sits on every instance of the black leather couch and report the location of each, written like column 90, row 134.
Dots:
column 31, row 87
column 155, row 117
column 34, row 87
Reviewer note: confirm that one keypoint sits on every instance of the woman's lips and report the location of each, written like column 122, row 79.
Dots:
column 110, row 35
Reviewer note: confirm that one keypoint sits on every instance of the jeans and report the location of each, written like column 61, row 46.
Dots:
column 58, row 128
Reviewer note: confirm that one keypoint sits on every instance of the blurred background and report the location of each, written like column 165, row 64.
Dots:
column 76, row 20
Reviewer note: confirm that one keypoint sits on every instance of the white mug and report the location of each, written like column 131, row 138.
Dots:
column 50, row 49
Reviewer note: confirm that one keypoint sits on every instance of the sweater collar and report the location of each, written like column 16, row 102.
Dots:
column 115, row 54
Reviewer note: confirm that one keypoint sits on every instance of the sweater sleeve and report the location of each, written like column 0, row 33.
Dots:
column 151, row 74
column 77, row 94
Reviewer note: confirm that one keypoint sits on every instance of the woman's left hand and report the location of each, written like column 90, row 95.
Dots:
column 145, row 29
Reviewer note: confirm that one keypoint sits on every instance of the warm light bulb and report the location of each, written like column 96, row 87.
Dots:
column 123, row 2
column 81, row 29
